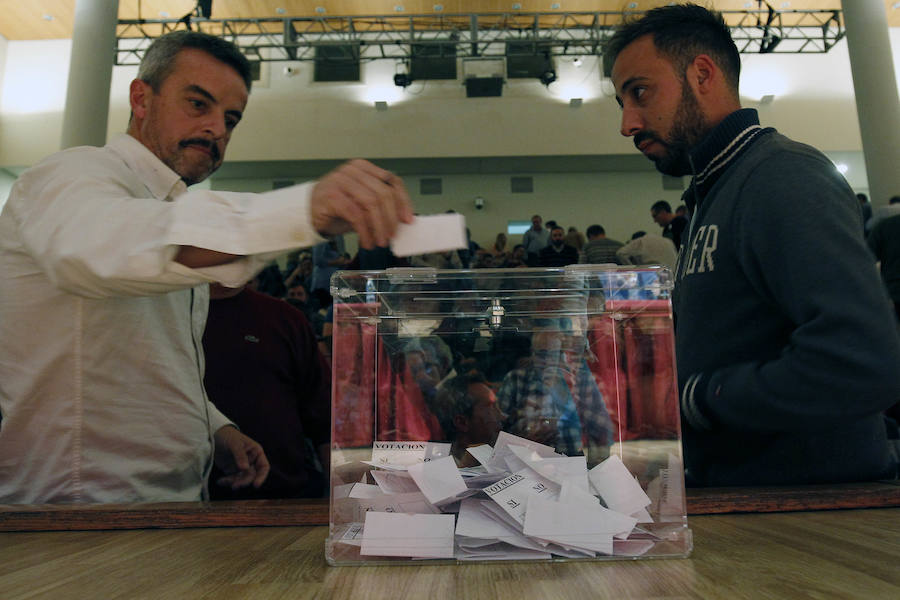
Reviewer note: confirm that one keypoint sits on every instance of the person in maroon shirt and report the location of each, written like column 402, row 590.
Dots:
column 264, row 371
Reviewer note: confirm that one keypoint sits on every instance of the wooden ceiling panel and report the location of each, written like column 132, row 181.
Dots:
column 52, row 19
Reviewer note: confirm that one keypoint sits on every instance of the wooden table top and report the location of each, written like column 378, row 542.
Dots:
column 824, row 554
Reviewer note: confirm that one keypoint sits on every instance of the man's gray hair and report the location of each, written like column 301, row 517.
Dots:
column 159, row 60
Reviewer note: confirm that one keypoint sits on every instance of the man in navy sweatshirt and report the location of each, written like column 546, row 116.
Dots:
column 786, row 349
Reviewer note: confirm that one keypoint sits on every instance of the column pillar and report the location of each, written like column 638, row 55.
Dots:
column 877, row 103
column 93, row 54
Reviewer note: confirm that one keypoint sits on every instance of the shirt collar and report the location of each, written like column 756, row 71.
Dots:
column 161, row 181
column 721, row 147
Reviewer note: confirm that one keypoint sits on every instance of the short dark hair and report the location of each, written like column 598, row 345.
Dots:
column 638, row 234
column 894, row 200
column 681, row 32
column 555, row 227
column 661, row 206
column 595, row 230
column 159, row 60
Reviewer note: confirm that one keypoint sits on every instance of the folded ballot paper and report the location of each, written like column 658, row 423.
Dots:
column 525, row 501
column 429, row 234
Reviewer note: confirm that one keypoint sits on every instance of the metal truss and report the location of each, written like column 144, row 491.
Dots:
column 471, row 36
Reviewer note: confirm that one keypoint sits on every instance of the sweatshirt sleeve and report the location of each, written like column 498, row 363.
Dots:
column 799, row 243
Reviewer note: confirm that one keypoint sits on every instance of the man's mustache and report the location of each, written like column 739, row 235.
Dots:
column 212, row 146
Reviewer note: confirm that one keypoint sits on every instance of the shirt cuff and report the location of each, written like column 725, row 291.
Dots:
column 216, row 419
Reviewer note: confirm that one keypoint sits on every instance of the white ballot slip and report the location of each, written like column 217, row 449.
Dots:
column 477, row 521
column 618, row 487
column 439, row 479
column 558, row 470
column 416, row 536
column 412, row 502
column 588, row 526
column 366, row 490
column 399, row 455
column 430, row 233
column 394, row 482
column 481, row 453
column 512, row 493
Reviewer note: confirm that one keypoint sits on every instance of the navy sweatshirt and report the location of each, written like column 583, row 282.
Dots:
column 786, row 345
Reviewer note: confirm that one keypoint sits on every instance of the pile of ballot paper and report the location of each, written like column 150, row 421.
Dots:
column 525, row 501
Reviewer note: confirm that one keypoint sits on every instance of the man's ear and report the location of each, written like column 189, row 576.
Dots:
column 139, row 94
column 703, row 73
column 461, row 423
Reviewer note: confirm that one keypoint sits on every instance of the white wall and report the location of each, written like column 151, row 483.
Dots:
column 290, row 117
column 620, row 201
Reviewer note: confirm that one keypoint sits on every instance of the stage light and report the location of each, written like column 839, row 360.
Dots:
column 402, row 80
column 548, row 77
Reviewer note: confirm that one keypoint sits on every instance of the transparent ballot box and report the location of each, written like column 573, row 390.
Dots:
column 497, row 414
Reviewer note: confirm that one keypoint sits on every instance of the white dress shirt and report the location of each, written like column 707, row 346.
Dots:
column 101, row 361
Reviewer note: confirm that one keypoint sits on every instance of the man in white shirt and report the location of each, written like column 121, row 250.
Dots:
column 104, row 259
column 648, row 249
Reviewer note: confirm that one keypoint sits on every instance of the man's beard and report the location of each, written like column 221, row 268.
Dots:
column 688, row 127
column 191, row 171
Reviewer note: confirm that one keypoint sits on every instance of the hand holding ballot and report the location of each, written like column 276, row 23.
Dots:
column 362, row 197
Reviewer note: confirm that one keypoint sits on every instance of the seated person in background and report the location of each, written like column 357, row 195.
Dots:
column 327, row 259
column 558, row 253
column 517, row 258
column 599, row 248
column 469, row 415
column 785, row 346
column 497, row 252
column 301, row 273
column 265, row 373
column 672, row 225
column 270, row 282
column 575, row 239
column 552, row 397
column 648, row 249
column 298, row 297
column 438, row 260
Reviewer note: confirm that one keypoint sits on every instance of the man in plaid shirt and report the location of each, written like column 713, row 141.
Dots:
column 552, row 398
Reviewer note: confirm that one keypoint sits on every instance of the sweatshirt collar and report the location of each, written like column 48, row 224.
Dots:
column 722, row 146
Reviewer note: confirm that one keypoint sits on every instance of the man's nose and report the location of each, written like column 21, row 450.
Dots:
column 215, row 125
column 631, row 122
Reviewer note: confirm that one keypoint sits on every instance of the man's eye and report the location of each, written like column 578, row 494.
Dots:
column 638, row 91
column 197, row 104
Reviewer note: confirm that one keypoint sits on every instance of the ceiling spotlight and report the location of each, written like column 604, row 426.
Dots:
column 548, row 77
column 381, row 105
column 577, row 62
column 402, row 80
column 575, row 102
